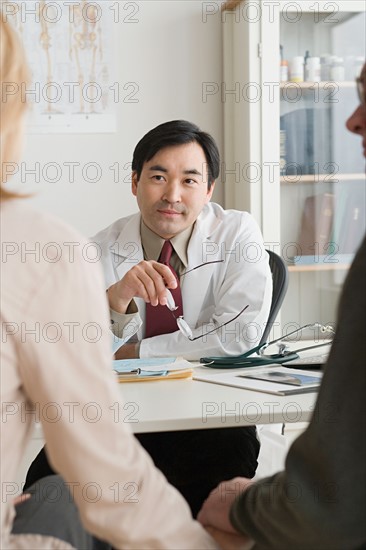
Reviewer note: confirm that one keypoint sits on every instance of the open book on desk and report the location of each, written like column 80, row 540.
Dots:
column 163, row 368
column 275, row 380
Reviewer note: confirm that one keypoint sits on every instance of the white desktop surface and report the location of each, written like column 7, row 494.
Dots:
column 186, row 404
column 190, row 404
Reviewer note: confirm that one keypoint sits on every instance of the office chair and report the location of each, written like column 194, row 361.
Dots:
column 280, row 284
column 279, row 287
column 274, row 445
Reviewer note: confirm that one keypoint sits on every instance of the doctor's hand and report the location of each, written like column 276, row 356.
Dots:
column 147, row 280
column 216, row 508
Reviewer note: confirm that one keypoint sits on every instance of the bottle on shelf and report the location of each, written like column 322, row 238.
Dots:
column 313, row 70
column 325, row 63
column 283, row 67
column 297, row 69
column 337, row 70
column 284, row 71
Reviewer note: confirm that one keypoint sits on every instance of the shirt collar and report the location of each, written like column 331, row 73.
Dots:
column 152, row 243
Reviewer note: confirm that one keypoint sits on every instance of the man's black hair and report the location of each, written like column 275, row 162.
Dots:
column 176, row 132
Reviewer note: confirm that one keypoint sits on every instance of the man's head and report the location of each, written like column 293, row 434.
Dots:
column 177, row 132
column 175, row 166
column 357, row 121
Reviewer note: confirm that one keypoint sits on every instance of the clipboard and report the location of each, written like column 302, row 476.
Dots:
column 145, row 375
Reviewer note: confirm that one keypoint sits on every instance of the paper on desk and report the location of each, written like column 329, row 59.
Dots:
column 242, row 379
column 152, row 364
column 150, row 376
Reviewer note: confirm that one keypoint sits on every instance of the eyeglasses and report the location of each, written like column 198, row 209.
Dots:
column 283, row 355
column 181, row 323
column 361, row 90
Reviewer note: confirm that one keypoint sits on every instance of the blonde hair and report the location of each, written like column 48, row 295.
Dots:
column 13, row 72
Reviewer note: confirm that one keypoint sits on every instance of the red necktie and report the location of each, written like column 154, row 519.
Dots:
column 159, row 319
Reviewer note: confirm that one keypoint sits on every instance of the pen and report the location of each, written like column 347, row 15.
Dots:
column 129, row 372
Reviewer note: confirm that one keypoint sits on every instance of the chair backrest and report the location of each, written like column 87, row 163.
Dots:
column 280, row 284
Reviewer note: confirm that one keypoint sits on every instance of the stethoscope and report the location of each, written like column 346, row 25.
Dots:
column 246, row 360
column 284, row 354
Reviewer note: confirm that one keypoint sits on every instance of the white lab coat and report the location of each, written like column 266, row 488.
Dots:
column 212, row 294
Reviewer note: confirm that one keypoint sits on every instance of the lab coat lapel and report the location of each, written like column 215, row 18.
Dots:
column 201, row 249
column 127, row 251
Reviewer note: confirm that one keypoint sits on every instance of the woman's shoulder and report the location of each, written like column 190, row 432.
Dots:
column 22, row 222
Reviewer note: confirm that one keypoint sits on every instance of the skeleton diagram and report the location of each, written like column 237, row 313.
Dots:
column 70, row 42
column 46, row 44
column 85, row 41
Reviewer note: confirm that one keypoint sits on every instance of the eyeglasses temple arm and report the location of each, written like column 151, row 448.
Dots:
column 201, row 265
column 220, row 326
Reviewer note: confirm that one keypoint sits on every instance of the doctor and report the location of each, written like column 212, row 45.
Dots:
column 175, row 166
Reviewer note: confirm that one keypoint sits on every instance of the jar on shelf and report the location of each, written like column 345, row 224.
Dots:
column 284, row 71
column 313, row 70
column 297, row 69
column 325, row 63
column 337, row 70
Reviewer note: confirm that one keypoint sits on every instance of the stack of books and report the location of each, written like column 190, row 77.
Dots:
column 305, row 142
column 331, row 227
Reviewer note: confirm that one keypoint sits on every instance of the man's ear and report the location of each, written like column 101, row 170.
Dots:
column 210, row 191
column 134, row 181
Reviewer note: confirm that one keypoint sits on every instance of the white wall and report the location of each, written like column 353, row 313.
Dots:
column 168, row 53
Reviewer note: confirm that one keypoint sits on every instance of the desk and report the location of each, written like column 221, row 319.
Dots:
column 192, row 405
column 186, row 404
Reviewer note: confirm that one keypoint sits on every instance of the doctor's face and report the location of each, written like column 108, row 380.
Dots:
column 172, row 189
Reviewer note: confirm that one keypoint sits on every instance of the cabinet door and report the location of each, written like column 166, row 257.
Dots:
column 309, row 197
column 322, row 173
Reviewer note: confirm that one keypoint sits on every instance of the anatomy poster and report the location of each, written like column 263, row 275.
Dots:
column 70, row 47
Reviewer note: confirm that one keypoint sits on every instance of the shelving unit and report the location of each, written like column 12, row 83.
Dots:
column 322, row 85
column 318, row 267
column 321, row 157
column 310, row 178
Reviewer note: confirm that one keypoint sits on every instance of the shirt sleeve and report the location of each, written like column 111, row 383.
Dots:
column 125, row 325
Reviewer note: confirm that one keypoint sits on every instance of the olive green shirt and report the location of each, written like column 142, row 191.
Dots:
column 318, row 502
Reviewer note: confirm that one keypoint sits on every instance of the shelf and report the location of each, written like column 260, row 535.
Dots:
column 324, row 84
column 318, row 267
column 301, row 129
column 320, row 178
